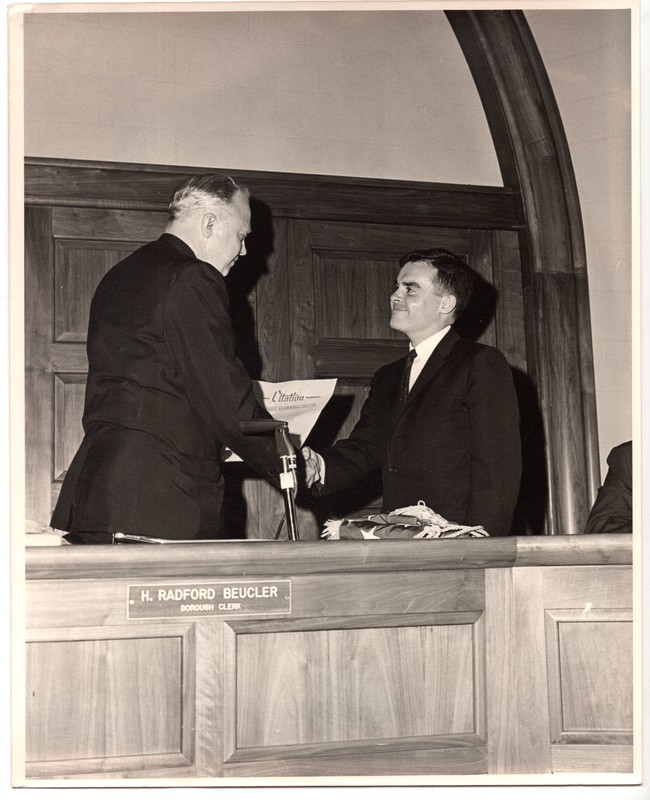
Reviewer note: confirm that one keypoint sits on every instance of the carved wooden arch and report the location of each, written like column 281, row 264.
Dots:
column 535, row 163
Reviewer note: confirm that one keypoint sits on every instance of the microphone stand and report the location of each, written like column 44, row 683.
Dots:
column 287, row 454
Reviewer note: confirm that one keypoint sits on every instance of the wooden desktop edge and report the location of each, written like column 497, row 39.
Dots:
column 262, row 557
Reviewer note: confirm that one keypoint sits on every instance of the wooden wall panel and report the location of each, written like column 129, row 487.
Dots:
column 272, row 306
column 355, row 359
column 585, row 758
column 64, row 182
column 348, row 685
column 595, row 696
column 105, row 692
column 446, row 756
column 589, row 633
column 576, row 700
column 39, row 415
column 69, row 393
column 507, row 280
column 91, row 603
column 109, row 694
column 352, row 297
column 590, row 698
column 586, row 589
column 79, row 265
column 479, row 321
column 113, row 224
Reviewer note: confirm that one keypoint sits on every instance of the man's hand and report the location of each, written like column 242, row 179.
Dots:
column 312, row 466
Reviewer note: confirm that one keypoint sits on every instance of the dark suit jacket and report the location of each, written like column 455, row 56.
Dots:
column 612, row 511
column 453, row 444
column 164, row 392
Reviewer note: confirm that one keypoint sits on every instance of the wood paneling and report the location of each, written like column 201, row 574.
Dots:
column 69, row 392
column 506, row 278
column 351, row 297
column 100, row 697
column 272, row 306
column 592, row 758
column 109, row 693
column 517, row 711
column 585, row 591
column 206, row 737
column 403, row 671
column 79, row 265
column 356, row 359
column 310, row 558
column 468, row 759
column 39, row 419
column 579, row 694
column 379, row 687
column 109, row 185
column 363, row 684
column 331, row 595
column 588, row 629
column 112, row 224
column 595, row 697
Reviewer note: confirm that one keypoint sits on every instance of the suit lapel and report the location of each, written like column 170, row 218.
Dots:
column 433, row 365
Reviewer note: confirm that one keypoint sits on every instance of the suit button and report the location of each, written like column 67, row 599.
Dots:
column 392, row 470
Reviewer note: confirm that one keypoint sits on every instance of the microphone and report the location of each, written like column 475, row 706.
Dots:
column 253, row 426
column 287, row 455
column 276, row 426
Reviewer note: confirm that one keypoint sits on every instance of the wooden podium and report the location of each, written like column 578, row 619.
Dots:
column 259, row 659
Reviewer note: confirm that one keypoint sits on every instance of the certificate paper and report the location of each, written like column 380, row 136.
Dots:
column 297, row 402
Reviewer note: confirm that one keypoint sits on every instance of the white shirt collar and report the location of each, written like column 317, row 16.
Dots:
column 428, row 345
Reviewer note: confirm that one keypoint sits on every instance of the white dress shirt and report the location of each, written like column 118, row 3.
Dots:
column 424, row 350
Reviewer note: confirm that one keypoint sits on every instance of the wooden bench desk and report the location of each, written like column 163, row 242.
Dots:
column 260, row 659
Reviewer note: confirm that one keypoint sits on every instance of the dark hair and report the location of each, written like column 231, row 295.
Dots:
column 454, row 276
column 200, row 191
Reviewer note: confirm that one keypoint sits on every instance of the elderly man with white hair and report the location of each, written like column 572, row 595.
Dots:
column 165, row 390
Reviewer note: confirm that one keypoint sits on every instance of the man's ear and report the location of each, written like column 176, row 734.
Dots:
column 448, row 304
column 208, row 222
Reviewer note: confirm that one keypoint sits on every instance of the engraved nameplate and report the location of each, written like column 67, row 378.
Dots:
column 227, row 598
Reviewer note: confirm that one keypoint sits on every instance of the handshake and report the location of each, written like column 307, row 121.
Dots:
column 314, row 467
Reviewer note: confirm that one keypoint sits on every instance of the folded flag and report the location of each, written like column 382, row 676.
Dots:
column 410, row 522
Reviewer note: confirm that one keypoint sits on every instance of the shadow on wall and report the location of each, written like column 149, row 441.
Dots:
column 530, row 513
column 241, row 284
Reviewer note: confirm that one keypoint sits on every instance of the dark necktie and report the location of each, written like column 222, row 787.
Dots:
column 410, row 358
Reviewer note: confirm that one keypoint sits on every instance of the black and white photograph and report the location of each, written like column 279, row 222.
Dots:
column 325, row 377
